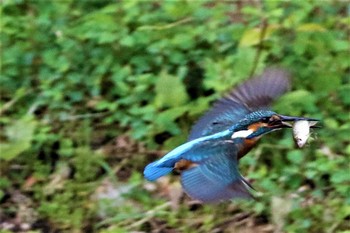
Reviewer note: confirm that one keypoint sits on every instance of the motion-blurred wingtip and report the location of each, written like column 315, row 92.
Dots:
column 153, row 172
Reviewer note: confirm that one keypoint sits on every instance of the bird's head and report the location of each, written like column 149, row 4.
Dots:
column 261, row 122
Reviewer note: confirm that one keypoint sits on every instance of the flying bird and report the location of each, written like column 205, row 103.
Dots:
column 208, row 161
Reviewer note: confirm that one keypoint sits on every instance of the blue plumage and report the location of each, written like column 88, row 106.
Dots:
column 195, row 150
column 217, row 178
column 152, row 172
column 218, row 140
column 253, row 95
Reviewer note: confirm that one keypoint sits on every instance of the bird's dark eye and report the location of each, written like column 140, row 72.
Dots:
column 265, row 119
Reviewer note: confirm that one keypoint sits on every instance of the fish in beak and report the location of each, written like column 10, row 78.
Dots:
column 288, row 121
column 301, row 127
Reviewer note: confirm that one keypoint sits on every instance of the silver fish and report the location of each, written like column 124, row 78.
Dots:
column 301, row 131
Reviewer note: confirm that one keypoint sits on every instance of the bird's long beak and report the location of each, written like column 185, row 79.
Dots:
column 287, row 121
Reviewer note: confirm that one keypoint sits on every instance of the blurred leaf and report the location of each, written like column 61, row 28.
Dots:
column 311, row 27
column 253, row 36
column 165, row 121
column 280, row 207
column 340, row 176
column 170, row 91
column 327, row 82
column 344, row 93
column 296, row 102
column 19, row 136
column 175, row 141
column 295, row 156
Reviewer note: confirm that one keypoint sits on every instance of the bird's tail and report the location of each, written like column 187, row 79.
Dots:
column 153, row 171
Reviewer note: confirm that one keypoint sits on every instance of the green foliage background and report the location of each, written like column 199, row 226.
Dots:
column 91, row 91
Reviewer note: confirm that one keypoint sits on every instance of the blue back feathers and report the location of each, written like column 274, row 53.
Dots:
column 152, row 172
column 252, row 118
column 215, row 176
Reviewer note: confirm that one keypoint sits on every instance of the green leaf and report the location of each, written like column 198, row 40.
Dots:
column 296, row 102
column 340, row 176
column 311, row 27
column 343, row 94
column 170, row 91
column 165, row 121
column 19, row 135
column 295, row 156
column 327, row 82
column 253, row 36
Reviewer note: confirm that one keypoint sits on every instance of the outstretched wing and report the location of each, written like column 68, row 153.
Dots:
column 195, row 151
column 214, row 175
column 254, row 94
column 216, row 178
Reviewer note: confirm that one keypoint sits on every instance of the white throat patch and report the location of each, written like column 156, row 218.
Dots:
column 242, row 133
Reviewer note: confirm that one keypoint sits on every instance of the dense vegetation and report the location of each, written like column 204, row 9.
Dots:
column 91, row 91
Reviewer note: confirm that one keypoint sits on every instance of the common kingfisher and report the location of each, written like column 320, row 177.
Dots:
column 208, row 161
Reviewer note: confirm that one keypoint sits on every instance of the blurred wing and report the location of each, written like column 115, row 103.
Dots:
column 216, row 178
column 195, row 151
column 260, row 92
column 254, row 94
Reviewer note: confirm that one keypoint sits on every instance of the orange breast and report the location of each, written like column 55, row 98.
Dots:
column 248, row 144
column 184, row 165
